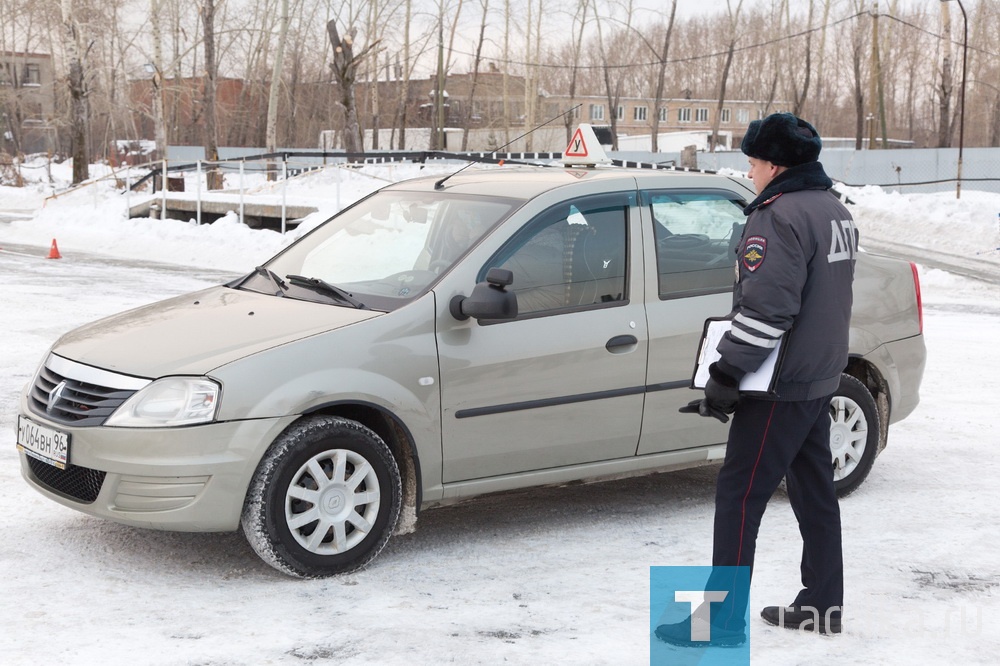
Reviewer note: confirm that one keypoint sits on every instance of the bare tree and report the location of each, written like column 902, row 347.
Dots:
column 857, row 61
column 531, row 69
column 800, row 94
column 485, row 4
column 612, row 91
column 159, row 120
column 946, row 85
column 405, row 70
column 734, row 17
column 79, row 113
column 214, row 178
column 580, row 20
column 661, row 78
column 819, row 107
column 345, row 73
column 506, row 67
column 272, row 97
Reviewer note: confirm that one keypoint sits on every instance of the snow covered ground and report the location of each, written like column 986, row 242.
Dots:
column 555, row 575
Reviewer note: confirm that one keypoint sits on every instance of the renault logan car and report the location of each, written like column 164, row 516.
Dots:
column 499, row 329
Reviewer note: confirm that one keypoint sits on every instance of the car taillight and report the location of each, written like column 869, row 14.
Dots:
column 920, row 303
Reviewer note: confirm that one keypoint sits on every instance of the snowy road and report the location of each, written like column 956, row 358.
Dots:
column 556, row 575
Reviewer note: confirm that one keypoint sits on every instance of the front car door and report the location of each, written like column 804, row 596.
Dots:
column 692, row 234
column 563, row 383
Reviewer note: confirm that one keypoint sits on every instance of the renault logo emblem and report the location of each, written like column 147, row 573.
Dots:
column 55, row 395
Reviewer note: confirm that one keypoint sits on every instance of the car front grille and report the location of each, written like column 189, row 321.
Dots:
column 72, row 401
column 79, row 483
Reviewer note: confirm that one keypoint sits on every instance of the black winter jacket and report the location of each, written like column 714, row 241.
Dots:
column 795, row 268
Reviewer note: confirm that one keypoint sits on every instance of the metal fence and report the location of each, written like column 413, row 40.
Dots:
column 904, row 170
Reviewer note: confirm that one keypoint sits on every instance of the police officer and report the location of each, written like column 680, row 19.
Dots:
column 795, row 267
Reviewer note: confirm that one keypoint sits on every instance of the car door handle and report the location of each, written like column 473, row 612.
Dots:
column 616, row 343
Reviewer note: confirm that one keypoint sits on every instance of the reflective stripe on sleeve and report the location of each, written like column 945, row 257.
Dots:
column 766, row 329
column 740, row 334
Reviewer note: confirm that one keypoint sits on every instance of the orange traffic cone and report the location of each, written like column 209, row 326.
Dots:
column 54, row 251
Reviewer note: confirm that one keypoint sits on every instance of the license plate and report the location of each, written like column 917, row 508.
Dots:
column 45, row 444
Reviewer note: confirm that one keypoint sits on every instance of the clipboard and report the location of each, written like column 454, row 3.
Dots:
column 759, row 382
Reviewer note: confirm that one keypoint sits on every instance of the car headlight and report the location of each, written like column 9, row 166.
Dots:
column 172, row 401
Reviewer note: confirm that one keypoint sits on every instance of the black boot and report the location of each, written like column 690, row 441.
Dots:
column 802, row 619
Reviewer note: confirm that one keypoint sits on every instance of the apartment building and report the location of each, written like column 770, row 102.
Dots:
column 482, row 111
column 27, row 102
column 634, row 116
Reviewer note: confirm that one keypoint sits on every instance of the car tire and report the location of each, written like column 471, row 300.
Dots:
column 854, row 434
column 324, row 499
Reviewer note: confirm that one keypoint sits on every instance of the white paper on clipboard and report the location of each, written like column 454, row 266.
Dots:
column 759, row 381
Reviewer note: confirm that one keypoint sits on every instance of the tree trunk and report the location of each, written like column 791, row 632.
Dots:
column 819, row 106
column 79, row 116
column 946, row 87
column 475, row 76
column 272, row 96
column 734, row 17
column 723, row 79
column 859, row 95
column 404, row 93
column 506, row 76
column 213, row 177
column 661, row 78
column 995, row 123
column 803, row 94
column 345, row 74
column 574, row 72
column 612, row 93
column 159, row 119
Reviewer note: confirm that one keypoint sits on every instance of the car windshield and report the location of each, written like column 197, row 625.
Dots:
column 388, row 248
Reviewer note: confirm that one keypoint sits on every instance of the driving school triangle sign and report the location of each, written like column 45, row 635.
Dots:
column 584, row 149
column 577, row 145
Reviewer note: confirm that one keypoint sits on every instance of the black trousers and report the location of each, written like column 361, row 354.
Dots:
column 767, row 441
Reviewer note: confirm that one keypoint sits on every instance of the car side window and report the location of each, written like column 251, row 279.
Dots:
column 697, row 235
column 571, row 256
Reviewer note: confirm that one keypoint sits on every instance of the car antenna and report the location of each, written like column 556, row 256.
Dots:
column 439, row 184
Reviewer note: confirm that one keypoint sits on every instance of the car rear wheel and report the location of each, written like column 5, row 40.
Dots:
column 854, row 434
column 324, row 499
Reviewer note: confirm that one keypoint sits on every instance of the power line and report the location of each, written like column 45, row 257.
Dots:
column 934, row 34
column 654, row 63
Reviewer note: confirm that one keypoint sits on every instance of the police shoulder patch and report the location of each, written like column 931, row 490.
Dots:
column 754, row 251
column 771, row 200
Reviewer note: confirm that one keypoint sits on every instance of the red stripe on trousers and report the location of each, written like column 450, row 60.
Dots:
column 753, row 473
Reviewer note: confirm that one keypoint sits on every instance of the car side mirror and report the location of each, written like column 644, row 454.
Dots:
column 489, row 299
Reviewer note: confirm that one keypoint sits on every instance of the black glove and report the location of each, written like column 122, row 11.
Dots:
column 722, row 393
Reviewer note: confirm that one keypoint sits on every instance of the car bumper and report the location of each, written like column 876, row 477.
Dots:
column 901, row 363
column 191, row 479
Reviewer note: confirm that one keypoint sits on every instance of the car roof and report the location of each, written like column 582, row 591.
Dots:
column 527, row 182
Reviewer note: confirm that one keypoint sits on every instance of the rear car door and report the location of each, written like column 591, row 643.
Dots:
column 563, row 383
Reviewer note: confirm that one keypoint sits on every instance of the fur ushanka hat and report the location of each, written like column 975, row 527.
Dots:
column 782, row 139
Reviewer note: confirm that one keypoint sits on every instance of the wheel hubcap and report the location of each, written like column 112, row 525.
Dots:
column 848, row 436
column 333, row 501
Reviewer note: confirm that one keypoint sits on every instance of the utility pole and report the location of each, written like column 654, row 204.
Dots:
column 439, row 101
column 873, row 80
column 878, row 80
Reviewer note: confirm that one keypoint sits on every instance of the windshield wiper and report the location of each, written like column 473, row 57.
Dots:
column 273, row 277
column 263, row 272
column 318, row 284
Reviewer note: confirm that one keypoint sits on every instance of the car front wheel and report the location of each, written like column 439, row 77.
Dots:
column 854, row 434
column 324, row 499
